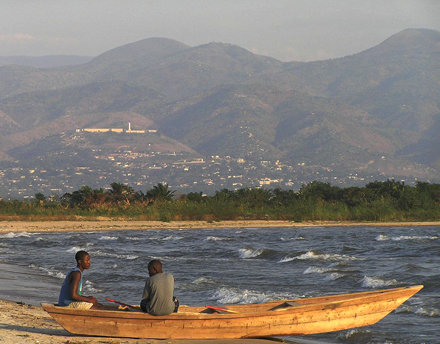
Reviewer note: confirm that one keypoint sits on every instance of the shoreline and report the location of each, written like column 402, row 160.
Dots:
column 21, row 323
column 114, row 225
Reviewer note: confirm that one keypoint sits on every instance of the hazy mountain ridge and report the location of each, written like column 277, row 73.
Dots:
column 220, row 99
column 50, row 61
column 34, row 108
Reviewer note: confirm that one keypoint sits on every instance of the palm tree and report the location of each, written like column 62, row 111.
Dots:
column 76, row 198
column 122, row 193
column 160, row 192
column 96, row 197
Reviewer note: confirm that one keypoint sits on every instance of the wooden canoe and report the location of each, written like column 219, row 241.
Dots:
column 276, row 318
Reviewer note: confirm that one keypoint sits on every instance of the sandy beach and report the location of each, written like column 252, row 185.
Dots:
column 108, row 225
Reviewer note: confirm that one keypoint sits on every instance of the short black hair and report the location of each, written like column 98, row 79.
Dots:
column 155, row 263
column 80, row 255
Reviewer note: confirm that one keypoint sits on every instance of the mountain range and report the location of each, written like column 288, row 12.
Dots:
column 377, row 111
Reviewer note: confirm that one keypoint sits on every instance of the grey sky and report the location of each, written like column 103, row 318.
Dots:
column 288, row 30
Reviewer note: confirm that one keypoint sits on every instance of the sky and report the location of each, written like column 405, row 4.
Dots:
column 288, row 30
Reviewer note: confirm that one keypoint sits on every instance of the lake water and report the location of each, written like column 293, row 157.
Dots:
column 252, row 265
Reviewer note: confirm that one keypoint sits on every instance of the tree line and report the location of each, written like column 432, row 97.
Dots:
column 317, row 201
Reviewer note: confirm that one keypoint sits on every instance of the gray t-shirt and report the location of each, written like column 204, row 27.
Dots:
column 158, row 291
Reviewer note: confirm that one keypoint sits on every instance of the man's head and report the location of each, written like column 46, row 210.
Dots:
column 154, row 267
column 82, row 260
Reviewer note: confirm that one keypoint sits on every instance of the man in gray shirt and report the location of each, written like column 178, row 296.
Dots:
column 157, row 298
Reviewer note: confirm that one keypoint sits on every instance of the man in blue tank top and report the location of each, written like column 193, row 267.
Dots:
column 71, row 290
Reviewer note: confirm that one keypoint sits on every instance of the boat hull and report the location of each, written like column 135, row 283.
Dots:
column 276, row 318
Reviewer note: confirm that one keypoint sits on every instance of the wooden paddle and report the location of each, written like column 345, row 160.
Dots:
column 121, row 303
column 219, row 309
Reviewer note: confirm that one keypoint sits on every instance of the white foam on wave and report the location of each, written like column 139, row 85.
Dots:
column 427, row 312
column 167, row 238
column 106, row 237
column 49, row 272
column 114, row 255
column 172, row 237
column 315, row 270
column 353, row 334
column 316, row 256
column 132, row 238
column 233, row 296
column 246, row 253
column 331, row 277
column 89, row 287
column 382, row 237
column 292, row 239
column 203, row 280
column 376, row 282
column 75, row 249
column 334, row 276
column 129, row 256
column 405, row 237
column 214, row 238
column 419, row 310
column 13, row 235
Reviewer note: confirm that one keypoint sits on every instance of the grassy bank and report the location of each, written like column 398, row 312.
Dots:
column 388, row 201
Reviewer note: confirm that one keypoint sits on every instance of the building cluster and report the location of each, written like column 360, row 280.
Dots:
column 78, row 165
column 116, row 130
column 181, row 172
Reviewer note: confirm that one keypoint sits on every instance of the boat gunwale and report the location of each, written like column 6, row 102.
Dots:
column 308, row 306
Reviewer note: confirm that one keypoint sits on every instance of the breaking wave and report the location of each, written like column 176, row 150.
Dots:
column 214, row 238
column 405, row 237
column 13, row 235
column 311, row 255
column 376, row 282
column 234, row 295
column 246, row 253
column 49, row 272
column 419, row 310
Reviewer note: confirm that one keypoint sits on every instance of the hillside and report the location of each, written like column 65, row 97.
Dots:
column 376, row 112
column 50, row 61
column 34, row 108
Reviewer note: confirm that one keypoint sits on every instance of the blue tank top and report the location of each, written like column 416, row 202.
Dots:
column 65, row 299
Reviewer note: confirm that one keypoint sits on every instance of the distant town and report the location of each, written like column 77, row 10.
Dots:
column 116, row 130
column 59, row 172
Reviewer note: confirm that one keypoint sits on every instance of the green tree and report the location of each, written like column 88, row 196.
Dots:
column 121, row 193
column 253, row 197
column 77, row 198
column 284, row 197
column 224, row 194
column 96, row 197
column 319, row 191
column 196, row 197
column 160, row 192
column 40, row 197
